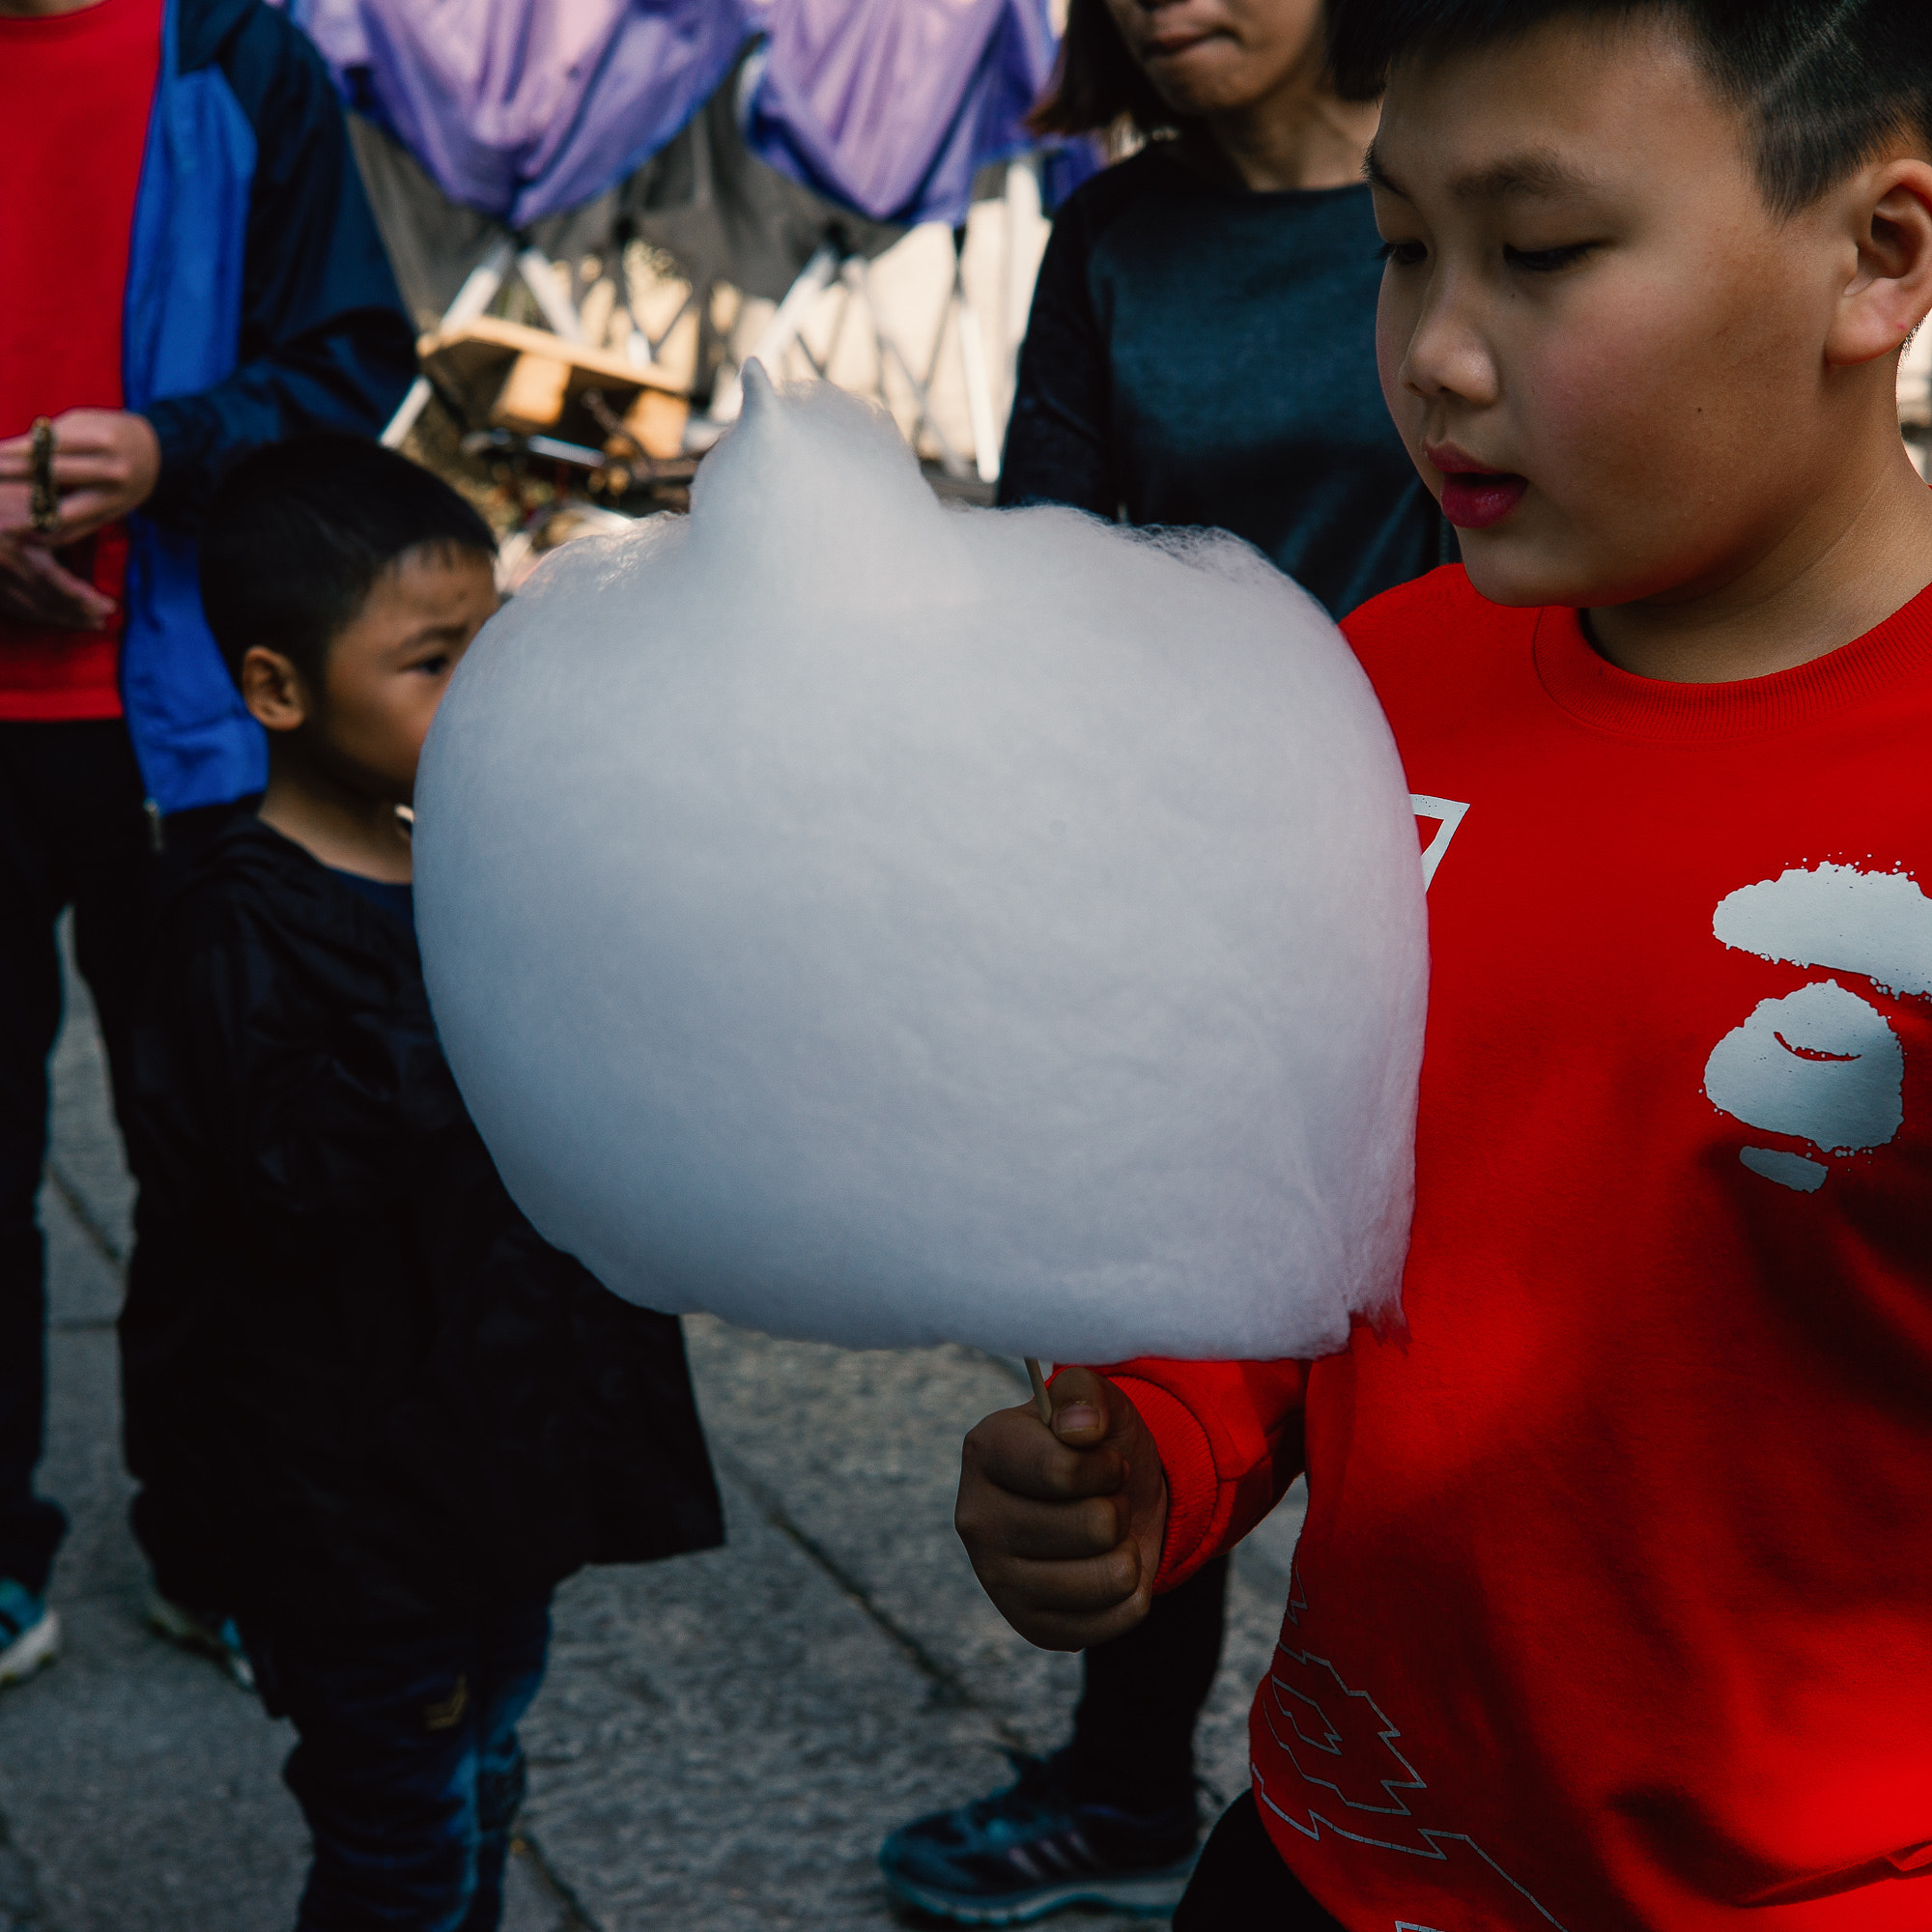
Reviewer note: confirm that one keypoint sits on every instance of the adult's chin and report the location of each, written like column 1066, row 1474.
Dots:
column 1205, row 79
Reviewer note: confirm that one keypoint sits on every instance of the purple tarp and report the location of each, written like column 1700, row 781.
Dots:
column 890, row 106
column 524, row 107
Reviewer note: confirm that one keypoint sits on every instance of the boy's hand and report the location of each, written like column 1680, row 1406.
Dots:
column 1065, row 1526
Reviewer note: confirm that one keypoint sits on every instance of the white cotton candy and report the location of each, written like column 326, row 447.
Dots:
column 886, row 923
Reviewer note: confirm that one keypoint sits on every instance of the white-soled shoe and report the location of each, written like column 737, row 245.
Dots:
column 29, row 1633
column 214, row 1637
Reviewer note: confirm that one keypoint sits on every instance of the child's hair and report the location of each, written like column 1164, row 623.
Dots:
column 1825, row 83
column 299, row 533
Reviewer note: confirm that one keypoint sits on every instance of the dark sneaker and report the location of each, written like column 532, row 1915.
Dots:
column 1031, row 1849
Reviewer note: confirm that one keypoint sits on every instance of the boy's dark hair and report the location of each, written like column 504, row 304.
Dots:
column 1096, row 82
column 299, row 532
column 1825, row 83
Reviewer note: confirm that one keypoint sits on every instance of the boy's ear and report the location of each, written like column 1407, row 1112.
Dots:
column 1890, row 294
column 272, row 688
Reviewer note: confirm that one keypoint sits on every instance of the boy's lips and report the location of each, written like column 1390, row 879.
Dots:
column 1474, row 496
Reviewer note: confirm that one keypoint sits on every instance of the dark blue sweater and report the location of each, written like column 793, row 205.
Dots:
column 1199, row 355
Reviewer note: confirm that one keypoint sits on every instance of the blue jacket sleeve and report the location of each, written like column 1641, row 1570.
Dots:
column 324, row 340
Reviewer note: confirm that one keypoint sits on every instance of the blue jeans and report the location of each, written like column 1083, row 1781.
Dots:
column 408, row 1769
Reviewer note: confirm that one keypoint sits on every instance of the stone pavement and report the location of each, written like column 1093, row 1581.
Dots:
column 720, row 1742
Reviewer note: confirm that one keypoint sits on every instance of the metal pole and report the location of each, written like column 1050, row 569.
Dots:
column 559, row 310
column 780, row 332
column 973, row 359
column 477, row 293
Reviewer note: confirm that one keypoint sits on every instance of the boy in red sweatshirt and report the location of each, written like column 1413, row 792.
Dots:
column 1614, row 1605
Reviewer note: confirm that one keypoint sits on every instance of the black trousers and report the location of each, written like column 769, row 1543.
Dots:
column 1133, row 1733
column 73, row 832
column 1242, row 1883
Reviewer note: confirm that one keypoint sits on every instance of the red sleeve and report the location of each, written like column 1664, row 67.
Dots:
column 1230, row 1440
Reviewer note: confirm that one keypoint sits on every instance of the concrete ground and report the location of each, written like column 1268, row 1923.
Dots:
column 721, row 1740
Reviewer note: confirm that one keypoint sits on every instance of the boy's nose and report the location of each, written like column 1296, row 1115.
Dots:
column 1446, row 356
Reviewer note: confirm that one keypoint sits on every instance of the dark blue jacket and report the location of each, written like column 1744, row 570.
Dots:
column 368, row 1389
column 258, row 303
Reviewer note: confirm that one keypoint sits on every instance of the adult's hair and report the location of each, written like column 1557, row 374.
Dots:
column 299, row 533
column 1824, row 84
column 1096, row 82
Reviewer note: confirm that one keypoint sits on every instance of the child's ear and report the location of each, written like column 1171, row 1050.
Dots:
column 1891, row 291
column 272, row 688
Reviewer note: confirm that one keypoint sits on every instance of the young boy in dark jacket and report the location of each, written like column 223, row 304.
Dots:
column 386, row 1414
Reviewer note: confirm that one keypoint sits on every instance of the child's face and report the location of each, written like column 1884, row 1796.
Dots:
column 1624, row 375
column 388, row 668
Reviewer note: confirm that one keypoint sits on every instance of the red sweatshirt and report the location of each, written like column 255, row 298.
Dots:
column 1614, row 1605
column 76, row 93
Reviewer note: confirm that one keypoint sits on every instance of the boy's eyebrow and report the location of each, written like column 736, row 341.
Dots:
column 1530, row 173
column 429, row 632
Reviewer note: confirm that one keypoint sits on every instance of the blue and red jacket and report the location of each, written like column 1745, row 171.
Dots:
column 258, row 303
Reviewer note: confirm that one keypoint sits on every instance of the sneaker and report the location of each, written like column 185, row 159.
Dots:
column 29, row 1633
column 205, row 1633
column 1031, row 1849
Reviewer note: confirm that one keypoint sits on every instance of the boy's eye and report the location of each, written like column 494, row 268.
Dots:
column 1404, row 254
column 432, row 666
column 1548, row 261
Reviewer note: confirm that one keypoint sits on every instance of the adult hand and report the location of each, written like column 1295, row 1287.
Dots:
column 34, row 588
column 106, row 462
column 1064, row 1524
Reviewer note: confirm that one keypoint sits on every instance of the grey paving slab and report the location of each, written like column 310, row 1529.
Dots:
column 721, row 1740
column 862, row 1450
column 722, row 1737
column 142, row 1790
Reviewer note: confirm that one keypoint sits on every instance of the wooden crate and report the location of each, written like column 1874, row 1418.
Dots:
column 505, row 376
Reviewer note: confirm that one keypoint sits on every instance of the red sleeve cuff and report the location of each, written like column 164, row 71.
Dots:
column 1193, row 1487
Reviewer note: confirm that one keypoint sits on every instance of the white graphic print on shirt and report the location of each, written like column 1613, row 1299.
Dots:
column 1822, row 1065
column 1358, row 1787
column 1446, row 814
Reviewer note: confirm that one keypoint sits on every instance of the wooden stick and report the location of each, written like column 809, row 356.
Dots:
column 1042, row 1400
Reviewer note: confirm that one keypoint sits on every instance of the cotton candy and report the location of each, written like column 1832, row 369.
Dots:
column 887, row 922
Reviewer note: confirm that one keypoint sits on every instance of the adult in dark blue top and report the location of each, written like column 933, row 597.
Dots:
column 1202, row 350
column 1202, row 347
